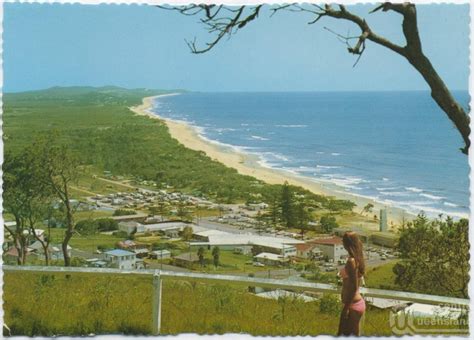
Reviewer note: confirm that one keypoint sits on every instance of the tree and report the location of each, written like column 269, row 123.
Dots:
column 183, row 211
column 28, row 200
column 15, row 196
column 274, row 210
column 328, row 223
column 200, row 254
column 58, row 168
column 215, row 256
column 287, row 209
column 107, row 224
column 187, row 233
column 335, row 205
column 367, row 208
column 302, row 217
column 223, row 21
column 434, row 257
column 87, row 227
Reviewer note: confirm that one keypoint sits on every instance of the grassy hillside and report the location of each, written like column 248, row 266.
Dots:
column 38, row 304
column 107, row 136
column 82, row 304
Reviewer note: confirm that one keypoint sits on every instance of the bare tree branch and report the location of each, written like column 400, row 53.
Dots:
column 225, row 21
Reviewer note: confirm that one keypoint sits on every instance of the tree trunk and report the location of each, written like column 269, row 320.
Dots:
column 67, row 238
column 46, row 253
column 70, row 228
column 441, row 95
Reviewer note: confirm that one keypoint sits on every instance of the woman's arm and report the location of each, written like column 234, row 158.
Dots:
column 352, row 283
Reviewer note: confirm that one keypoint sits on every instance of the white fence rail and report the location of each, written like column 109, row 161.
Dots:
column 158, row 275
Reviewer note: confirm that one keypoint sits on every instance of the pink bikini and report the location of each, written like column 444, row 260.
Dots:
column 358, row 306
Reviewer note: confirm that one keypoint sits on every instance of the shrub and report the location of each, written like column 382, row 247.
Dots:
column 124, row 212
column 121, row 234
column 330, row 304
column 107, row 224
column 328, row 223
column 87, row 227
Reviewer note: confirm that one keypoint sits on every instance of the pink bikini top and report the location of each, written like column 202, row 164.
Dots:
column 343, row 273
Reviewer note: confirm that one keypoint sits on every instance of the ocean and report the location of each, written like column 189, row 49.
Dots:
column 398, row 148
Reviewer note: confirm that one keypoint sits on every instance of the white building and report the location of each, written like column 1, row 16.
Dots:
column 131, row 226
column 271, row 259
column 160, row 254
column 278, row 245
column 171, row 229
column 288, row 250
column 331, row 247
column 121, row 259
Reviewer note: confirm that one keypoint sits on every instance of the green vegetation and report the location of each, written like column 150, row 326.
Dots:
column 328, row 223
column 122, row 304
column 291, row 209
column 83, row 304
column 434, row 257
column 215, row 256
column 382, row 277
column 124, row 212
column 90, row 226
column 86, row 242
column 105, row 134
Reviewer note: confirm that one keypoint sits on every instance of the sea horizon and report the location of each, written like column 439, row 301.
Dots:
column 185, row 90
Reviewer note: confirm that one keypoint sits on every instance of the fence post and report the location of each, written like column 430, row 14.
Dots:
column 156, row 302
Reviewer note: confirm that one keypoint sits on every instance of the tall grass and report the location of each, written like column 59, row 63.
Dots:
column 81, row 304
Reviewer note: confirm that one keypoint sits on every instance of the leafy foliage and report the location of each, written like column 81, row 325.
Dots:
column 124, row 212
column 215, row 256
column 87, row 227
column 434, row 257
column 98, row 126
column 330, row 304
column 90, row 226
column 328, row 223
column 187, row 233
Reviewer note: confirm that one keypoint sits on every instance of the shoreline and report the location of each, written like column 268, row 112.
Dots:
column 248, row 164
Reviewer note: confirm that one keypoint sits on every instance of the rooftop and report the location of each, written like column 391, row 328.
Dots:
column 130, row 224
column 192, row 257
column 159, row 252
column 327, row 240
column 119, row 252
column 305, row 246
column 210, row 232
column 167, row 225
column 270, row 256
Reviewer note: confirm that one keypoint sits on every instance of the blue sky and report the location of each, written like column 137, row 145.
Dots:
column 141, row 46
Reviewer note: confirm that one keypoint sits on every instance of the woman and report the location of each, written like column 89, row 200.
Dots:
column 352, row 274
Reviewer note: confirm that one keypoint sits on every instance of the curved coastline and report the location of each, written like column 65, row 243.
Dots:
column 249, row 164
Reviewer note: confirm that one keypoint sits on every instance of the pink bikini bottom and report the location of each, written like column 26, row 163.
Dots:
column 358, row 306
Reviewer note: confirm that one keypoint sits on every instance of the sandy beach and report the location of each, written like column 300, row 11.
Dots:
column 249, row 165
